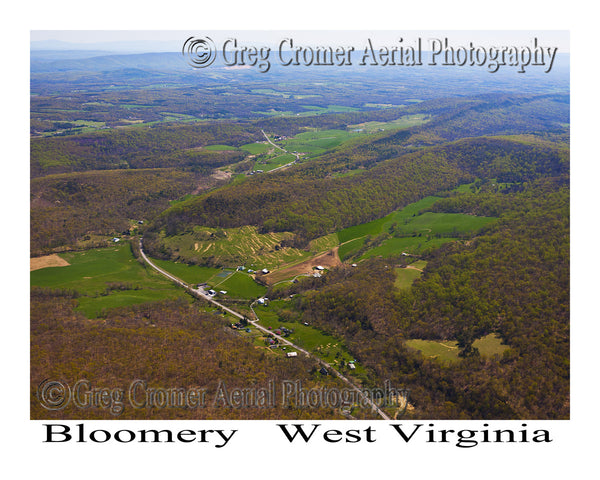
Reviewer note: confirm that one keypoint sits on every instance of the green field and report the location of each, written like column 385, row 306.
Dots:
column 322, row 244
column 190, row 274
column 274, row 162
column 326, row 347
column 106, row 278
column 448, row 350
column 330, row 109
column 272, row 113
column 256, row 148
column 408, row 231
column 405, row 277
column 220, row 148
column 239, row 285
column 316, row 142
column 270, row 91
column 402, row 122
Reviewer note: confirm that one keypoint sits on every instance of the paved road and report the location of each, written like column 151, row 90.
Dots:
column 283, row 150
column 202, row 294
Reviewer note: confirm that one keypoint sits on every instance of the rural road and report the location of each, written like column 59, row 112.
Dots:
column 283, row 150
column 200, row 292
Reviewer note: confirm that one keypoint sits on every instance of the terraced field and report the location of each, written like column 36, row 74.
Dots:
column 236, row 247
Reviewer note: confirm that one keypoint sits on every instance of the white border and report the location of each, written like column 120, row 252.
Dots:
column 259, row 452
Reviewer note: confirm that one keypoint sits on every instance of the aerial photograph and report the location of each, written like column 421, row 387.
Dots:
column 299, row 225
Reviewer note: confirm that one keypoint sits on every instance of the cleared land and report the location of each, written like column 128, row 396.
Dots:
column 47, row 261
column 234, row 247
column 402, row 122
column 316, row 142
column 405, row 277
column 407, row 230
column 327, row 347
column 327, row 260
column 447, row 350
column 106, row 278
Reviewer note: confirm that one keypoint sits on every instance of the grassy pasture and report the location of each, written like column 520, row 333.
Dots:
column 327, row 347
column 350, row 246
column 412, row 245
column 444, row 223
column 256, row 148
column 272, row 113
column 402, row 122
column 240, row 285
column 322, row 244
column 330, row 109
column 378, row 226
column 220, row 148
column 405, row 277
column 274, row 162
column 90, row 273
column 190, row 274
column 411, row 232
column 315, row 142
column 448, row 350
column 270, row 91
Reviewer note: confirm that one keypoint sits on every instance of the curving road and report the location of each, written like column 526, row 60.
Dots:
column 283, row 150
column 199, row 292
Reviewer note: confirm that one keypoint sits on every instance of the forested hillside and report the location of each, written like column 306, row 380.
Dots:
column 309, row 202
column 372, row 224
column 512, row 280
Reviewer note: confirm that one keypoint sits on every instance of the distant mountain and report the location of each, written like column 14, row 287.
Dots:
column 104, row 63
column 120, row 47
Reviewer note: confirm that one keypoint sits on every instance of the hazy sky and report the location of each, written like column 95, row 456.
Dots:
column 169, row 40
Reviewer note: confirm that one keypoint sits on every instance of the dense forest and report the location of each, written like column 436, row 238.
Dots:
column 168, row 344
column 310, row 203
column 512, row 280
column 167, row 146
column 66, row 208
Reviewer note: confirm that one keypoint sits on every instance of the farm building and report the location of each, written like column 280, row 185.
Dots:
column 291, row 354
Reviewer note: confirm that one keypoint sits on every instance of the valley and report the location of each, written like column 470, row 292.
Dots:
column 418, row 235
